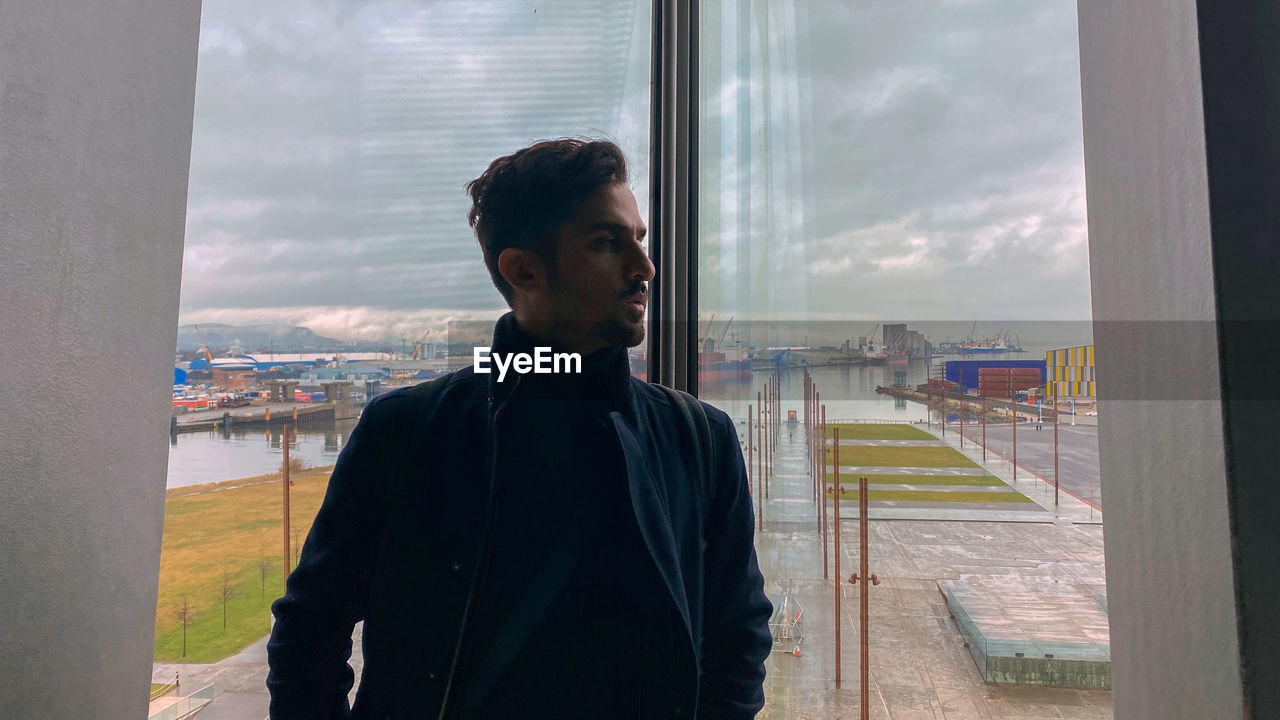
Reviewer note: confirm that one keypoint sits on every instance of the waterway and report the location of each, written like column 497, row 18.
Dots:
column 196, row 458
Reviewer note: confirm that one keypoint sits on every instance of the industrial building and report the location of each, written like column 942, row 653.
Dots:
column 1070, row 372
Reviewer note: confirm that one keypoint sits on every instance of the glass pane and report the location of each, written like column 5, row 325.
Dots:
column 328, row 250
column 892, row 199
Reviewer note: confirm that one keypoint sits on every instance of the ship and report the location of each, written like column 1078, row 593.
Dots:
column 1001, row 343
column 728, row 363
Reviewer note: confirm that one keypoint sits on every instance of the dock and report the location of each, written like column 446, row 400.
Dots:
column 274, row 415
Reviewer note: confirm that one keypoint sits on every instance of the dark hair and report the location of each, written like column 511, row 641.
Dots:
column 523, row 197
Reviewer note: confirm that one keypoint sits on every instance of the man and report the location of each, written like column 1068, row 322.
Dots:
column 535, row 546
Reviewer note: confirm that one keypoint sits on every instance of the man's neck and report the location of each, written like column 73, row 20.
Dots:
column 543, row 332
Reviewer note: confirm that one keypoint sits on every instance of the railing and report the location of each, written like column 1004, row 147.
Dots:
column 187, row 706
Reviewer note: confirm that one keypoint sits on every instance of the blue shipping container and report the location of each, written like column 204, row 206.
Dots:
column 965, row 372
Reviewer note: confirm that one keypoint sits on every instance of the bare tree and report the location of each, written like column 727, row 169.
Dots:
column 228, row 591
column 184, row 613
column 264, row 568
column 297, row 547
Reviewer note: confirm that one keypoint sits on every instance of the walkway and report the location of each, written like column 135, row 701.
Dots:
column 919, row 665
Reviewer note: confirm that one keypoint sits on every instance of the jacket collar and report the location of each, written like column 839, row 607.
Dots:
column 610, row 368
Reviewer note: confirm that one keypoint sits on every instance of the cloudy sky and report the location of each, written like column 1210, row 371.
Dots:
column 917, row 160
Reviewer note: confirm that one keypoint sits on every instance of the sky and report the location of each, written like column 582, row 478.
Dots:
column 918, row 160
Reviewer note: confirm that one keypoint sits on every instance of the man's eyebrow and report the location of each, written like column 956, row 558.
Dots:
column 618, row 228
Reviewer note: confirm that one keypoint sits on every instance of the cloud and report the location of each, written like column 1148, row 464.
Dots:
column 921, row 158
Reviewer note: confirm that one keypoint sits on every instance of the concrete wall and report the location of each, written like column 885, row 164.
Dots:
column 96, row 106
column 1170, row 579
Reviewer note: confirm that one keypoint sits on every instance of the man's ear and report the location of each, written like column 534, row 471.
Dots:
column 522, row 269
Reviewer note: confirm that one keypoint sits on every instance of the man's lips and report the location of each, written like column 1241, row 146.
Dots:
column 639, row 302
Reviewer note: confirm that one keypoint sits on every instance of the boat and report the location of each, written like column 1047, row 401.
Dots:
column 731, row 364
column 1001, row 343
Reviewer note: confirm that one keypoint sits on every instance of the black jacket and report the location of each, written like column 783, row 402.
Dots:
column 398, row 540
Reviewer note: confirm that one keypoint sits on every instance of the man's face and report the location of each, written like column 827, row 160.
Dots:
column 599, row 288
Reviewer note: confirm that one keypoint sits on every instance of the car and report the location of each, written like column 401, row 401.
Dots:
column 1094, row 413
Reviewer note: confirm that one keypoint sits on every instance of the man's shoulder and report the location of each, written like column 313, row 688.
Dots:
column 720, row 421
column 406, row 402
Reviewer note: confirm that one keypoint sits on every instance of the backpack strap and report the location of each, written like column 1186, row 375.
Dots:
column 695, row 418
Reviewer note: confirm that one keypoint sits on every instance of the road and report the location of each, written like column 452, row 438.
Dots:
column 1077, row 461
column 1077, row 454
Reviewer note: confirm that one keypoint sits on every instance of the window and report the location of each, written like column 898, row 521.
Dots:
column 889, row 197
column 328, row 256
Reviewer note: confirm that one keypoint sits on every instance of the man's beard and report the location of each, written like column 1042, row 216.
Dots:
column 619, row 333
column 611, row 330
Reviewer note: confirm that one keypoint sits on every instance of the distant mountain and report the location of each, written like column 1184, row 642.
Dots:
column 255, row 338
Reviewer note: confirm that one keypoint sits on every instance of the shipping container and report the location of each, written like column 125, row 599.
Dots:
column 966, row 372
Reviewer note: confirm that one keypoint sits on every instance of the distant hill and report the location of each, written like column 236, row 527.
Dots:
column 255, row 338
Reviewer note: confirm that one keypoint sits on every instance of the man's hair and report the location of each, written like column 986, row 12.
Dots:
column 524, row 197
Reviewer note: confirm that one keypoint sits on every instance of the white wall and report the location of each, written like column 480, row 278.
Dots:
column 1168, row 553
column 95, row 132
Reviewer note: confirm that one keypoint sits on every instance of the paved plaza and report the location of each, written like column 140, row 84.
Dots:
column 919, row 665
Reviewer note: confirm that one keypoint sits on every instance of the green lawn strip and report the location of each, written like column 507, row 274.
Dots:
column 248, row 618
column 986, row 480
column 879, row 456
column 226, row 523
column 955, row 496
column 858, row 431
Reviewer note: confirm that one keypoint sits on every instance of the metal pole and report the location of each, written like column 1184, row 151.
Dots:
column 1013, row 405
column 943, row 411
column 1055, row 445
column 759, row 474
column 284, row 474
column 984, row 428
column 768, row 448
column 751, row 456
column 836, row 548
column 825, row 537
column 808, row 434
column 864, row 664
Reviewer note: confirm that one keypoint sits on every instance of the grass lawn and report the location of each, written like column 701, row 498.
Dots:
column 847, row 479
column 857, row 431
column 232, row 522
column 936, row 496
column 901, row 456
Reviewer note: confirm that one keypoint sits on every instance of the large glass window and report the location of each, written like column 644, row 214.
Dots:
column 892, row 212
column 328, row 253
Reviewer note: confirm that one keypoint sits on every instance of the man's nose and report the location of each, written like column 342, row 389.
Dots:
column 641, row 267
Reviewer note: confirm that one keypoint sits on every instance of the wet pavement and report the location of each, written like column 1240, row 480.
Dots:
column 919, row 666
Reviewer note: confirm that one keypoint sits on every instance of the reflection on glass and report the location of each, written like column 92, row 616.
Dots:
column 890, row 197
column 328, row 252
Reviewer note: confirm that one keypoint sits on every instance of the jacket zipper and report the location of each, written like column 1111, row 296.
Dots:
column 477, row 585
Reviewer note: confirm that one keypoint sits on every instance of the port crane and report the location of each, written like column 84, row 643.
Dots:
column 417, row 347
column 725, row 332
column 871, row 338
column 204, row 346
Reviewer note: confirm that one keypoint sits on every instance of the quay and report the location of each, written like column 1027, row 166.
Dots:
column 272, row 415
